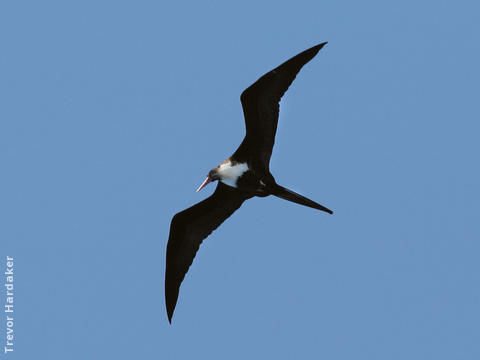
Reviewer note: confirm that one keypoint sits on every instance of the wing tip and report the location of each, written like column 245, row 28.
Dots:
column 318, row 47
column 310, row 53
column 170, row 310
column 171, row 295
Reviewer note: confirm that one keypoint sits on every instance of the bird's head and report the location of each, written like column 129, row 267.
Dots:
column 212, row 176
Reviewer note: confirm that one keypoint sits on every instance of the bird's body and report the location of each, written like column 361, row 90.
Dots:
column 243, row 175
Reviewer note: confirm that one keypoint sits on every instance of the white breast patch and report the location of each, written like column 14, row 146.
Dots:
column 229, row 173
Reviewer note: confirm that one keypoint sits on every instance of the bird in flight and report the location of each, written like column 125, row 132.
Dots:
column 242, row 176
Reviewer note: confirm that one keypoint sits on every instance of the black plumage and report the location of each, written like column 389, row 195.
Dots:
column 187, row 231
column 260, row 102
column 189, row 227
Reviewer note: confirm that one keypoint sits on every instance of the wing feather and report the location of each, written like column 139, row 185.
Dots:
column 260, row 103
column 187, row 231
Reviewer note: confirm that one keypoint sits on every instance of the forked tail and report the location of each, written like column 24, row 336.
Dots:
column 290, row 195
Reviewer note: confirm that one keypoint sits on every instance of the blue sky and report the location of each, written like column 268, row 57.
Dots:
column 104, row 104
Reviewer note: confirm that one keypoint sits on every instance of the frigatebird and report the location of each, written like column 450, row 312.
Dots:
column 242, row 176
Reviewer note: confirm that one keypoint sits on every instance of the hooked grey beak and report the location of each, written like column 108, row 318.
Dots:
column 205, row 183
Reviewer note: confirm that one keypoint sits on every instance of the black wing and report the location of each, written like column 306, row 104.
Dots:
column 187, row 231
column 260, row 104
